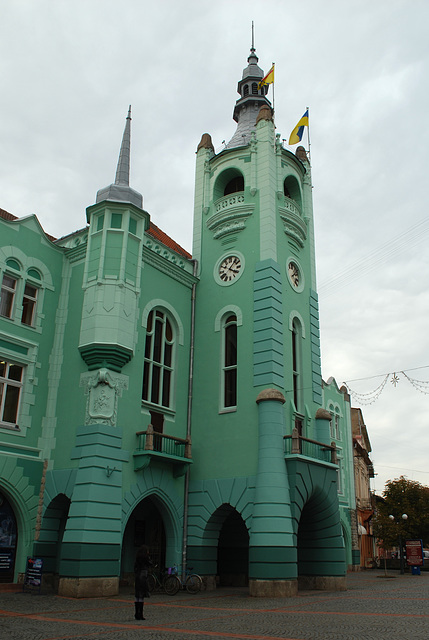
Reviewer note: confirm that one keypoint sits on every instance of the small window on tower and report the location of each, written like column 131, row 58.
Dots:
column 116, row 222
column 254, row 89
column 246, row 90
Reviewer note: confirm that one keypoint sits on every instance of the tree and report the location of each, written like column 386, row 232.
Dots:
column 402, row 496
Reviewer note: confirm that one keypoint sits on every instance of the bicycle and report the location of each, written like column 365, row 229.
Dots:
column 173, row 582
column 157, row 582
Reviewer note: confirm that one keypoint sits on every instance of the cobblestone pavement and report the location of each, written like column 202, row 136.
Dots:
column 373, row 608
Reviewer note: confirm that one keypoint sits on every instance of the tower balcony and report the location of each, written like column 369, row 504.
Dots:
column 312, row 450
column 295, row 226
column 162, row 447
column 230, row 214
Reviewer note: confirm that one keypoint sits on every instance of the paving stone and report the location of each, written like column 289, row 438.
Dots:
column 373, row 608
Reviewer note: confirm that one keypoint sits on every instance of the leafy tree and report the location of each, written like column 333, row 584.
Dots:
column 402, row 496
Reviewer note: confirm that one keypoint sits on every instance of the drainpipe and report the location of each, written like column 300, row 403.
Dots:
column 189, row 425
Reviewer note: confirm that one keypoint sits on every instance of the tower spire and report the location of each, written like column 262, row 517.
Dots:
column 252, row 98
column 123, row 168
column 120, row 190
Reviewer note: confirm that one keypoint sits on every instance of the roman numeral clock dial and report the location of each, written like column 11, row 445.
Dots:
column 229, row 268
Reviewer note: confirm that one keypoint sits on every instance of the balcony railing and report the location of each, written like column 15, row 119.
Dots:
column 298, row 445
column 152, row 444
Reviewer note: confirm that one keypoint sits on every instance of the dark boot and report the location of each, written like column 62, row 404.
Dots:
column 141, row 611
column 138, row 610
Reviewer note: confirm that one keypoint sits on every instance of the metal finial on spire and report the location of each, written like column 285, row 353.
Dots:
column 123, row 168
column 253, row 37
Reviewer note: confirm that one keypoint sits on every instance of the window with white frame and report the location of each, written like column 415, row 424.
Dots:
column 7, row 295
column 229, row 362
column 29, row 304
column 335, row 423
column 340, row 471
column 11, row 376
column 297, row 364
column 18, row 296
column 158, row 359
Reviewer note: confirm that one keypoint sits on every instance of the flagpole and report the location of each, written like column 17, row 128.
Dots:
column 308, row 136
column 274, row 111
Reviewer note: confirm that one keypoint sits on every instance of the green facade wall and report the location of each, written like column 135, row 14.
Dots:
column 87, row 478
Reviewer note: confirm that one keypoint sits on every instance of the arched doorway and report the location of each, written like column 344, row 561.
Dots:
column 145, row 526
column 233, row 549
column 8, row 540
column 48, row 544
column 320, row 541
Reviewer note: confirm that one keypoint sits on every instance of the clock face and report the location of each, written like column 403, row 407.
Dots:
column 229, row 268
column 294, row 275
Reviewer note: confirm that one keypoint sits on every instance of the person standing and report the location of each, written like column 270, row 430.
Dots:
column 141, row 567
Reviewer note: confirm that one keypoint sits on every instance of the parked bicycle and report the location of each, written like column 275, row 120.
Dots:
column 173, row 582
column 156, row 581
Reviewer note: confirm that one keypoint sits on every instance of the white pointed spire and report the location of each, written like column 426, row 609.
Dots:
column 121, row 191
column 123, row 168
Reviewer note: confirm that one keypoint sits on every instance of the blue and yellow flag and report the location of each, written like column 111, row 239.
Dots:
column 298, row 132
column 268, row 79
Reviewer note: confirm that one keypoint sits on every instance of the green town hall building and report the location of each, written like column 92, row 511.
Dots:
column 148, row 396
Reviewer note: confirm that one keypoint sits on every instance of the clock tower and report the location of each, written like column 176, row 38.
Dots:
column 257, row 356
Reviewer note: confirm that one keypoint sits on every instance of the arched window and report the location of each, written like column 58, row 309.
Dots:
column 234, row 185
column 255, row 88
column 229, row 362
column 19, row 293
column 292, row 191
column 158, row 359
column 229, row 181
column 335, row 423
column 246, row 90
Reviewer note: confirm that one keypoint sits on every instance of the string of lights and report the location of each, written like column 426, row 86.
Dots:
column 395, row 378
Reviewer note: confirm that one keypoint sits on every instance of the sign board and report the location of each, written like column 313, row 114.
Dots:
column 414, row 550
column 6, row 560
column 33, row 573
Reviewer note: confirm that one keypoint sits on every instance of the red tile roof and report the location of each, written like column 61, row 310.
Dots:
column 159, row 235
column 6, row 215
column 153, row 230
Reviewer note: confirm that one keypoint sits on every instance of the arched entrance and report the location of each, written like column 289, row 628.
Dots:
column 145, row 526
column 233, row 549
column 320, row 541
column 50, row 537
column 8, row 540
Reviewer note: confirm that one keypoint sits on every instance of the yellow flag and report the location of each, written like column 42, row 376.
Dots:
column 298, row 132
column 268, row 79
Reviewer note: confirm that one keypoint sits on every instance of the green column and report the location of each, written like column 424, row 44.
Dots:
column 272, row 549
column 91, row 548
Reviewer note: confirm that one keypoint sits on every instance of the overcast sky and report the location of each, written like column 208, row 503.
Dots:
column 70, row 68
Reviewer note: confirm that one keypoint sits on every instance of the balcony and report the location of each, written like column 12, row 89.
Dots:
column 230, row 215
column 160, row 446
column 296, row 445
column 294, row 225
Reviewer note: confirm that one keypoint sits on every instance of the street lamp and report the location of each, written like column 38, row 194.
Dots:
column 404, row 517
